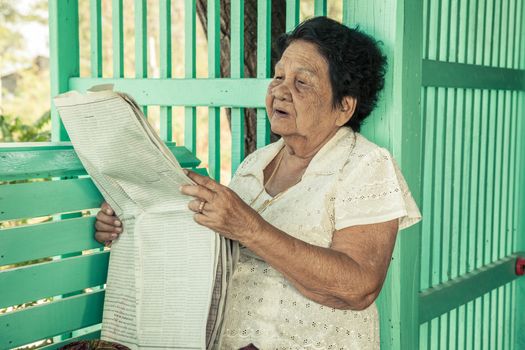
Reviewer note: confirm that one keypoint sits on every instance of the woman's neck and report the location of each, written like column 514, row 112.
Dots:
column 300, row 150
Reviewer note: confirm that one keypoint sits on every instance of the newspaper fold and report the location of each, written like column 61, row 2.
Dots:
column 167, row 275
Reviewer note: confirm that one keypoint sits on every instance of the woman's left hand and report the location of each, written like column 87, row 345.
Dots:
column 220, row 209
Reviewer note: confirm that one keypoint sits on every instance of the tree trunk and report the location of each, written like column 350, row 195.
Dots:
column 250, row 50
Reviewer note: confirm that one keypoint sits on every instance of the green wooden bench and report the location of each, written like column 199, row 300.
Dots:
column 52, row 271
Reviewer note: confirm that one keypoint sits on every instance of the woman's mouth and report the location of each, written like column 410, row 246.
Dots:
column 281, row 113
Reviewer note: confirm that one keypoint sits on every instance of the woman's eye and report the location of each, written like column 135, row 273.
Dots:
column 278, row 77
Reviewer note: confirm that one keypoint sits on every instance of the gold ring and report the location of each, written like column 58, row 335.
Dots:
column 201, row 207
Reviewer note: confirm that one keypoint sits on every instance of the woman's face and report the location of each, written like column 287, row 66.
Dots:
column 299, row 98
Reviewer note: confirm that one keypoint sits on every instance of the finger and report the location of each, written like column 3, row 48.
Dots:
column 108, row 219
column 107, row 208
column 100, row 226
column 204, row 181
column 195, row 205
column 201, row 219
column 197, row 191
column 103, row 237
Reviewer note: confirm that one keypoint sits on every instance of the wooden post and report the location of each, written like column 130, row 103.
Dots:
column 63, row 55
column 396, row 124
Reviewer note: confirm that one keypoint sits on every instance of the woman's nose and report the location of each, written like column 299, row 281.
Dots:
column 281, row 92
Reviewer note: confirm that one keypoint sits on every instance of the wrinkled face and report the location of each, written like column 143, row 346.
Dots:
column 299, row 98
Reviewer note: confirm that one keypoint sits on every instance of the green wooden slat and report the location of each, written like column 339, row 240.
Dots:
column 429, row 119
column 63, row 55
column 510, row 34
column 31, row 146
column 485, row 34
column 263, row 128
column 506, row 201
column 427, row 130
column 346, row 13
column 463, row 256
column 426, row 31
column 49, row 197
column 514, row 189
column 508, row 316
column 498, row 154
column 513, row 195
column 446, row 234
column 470, row 42
column 249, row 93
column 449, row 295
column 502, row 22
column 118, row 38
column 95, row 18
column 492, row 205
column 517, row 33
column 448, row 29
column 28, row 283
column 475, row 179
column 433, row 204
column 486, row 188
column 457, row 340
column 166, row 132
column 48, row 159
column 46, row 320
column 237, row 72
column 521, row 37
column 455, row 203
column 88, row 336
column 461, row 75
column 476, row 228
column 190, row 113
column 446, row 148
column 440, row 32
column 141, row 42
column 500, row 234
column 141, row 38
column 438, row 243
column 214, row 143
column 47, row 239
column 519, row 305
column 292, row 14
column 320, row 8
column 37, row 162
column 214, row 58
column 480, row 258
column 264, row 39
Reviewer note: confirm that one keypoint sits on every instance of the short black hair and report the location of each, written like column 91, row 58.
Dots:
column 356, row 64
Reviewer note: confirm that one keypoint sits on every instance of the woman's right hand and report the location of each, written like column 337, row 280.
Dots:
column 108, row 227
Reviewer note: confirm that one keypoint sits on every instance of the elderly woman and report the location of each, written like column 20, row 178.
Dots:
column 317, row 212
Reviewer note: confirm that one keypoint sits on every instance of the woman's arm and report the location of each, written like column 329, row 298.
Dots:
column 348, row 275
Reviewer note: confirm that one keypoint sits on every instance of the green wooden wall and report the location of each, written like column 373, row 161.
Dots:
column 451, row 114
column 472, row 169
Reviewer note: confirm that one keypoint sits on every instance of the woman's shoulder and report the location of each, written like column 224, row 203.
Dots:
column 367, row 152
column 371, row 188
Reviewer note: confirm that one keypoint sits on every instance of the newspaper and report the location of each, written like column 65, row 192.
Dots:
column 167, row 275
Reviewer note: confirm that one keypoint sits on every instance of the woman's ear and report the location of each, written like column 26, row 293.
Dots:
column 347, row 110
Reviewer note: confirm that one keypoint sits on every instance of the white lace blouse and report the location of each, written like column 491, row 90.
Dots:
column 350, row 181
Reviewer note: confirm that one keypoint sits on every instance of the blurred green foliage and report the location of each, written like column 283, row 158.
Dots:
column 14, row 129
